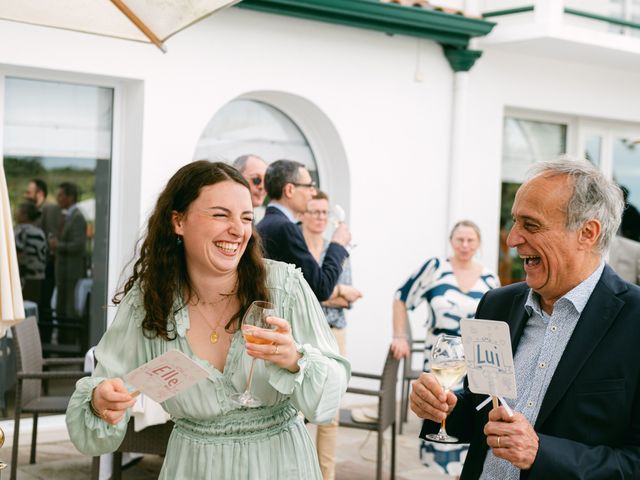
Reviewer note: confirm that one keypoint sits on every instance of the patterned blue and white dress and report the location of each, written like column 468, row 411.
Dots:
column 435, row 283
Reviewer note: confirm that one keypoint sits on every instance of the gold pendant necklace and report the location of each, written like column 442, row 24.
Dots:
column 214, row 336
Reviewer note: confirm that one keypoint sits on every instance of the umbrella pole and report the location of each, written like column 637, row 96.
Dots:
column 2, row 464
column 140, row 24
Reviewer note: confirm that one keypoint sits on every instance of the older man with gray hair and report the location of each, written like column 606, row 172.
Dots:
column 253, row 168
column 575, row 326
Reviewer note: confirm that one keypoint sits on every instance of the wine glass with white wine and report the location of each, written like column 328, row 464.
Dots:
column 449, row 366
column 338, row 216
column 254, row 318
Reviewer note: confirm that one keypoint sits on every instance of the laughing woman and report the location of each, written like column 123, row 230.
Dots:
column 200, row 267
column 452, row 287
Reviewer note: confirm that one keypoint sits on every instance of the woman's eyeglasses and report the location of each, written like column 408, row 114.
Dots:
column 318, row 213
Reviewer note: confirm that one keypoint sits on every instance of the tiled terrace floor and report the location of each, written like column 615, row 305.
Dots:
column 355, row 459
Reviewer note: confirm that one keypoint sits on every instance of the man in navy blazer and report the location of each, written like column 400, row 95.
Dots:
column 575, row 330
column 290, row 188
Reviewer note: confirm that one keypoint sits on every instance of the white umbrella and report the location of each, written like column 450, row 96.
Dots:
column 151, row 21
column 11, row 305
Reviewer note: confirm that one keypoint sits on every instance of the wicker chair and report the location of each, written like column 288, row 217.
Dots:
column 30, row 374
column 151, row 440
column 409, row 374
column 386, row 410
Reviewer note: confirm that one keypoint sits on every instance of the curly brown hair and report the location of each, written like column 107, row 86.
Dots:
column 161, row 268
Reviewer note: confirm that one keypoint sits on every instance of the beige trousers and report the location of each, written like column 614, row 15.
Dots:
column 327, row 434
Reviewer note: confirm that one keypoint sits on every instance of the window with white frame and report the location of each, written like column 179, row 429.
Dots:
column 61, row 133
column 525, row 142
column 614, row 147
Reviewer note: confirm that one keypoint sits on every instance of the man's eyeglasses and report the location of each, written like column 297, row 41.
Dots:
column 256, row 181
column 305, row 185
column 318, row 213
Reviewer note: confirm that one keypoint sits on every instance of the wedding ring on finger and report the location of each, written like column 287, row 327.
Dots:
column 103, row 414
column 498, row 441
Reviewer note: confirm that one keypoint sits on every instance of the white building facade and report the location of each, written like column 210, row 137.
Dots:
column 398, row 137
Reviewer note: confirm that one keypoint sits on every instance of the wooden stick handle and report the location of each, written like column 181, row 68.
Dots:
column 494, row 401
column 135, row 393
column 140, row 24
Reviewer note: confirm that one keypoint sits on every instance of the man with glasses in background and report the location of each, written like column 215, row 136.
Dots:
column 252, row 168
column 290, row 189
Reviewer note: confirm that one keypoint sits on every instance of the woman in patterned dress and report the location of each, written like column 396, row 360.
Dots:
column 452, row 287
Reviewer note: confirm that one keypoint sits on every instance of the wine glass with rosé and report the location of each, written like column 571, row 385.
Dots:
column 448, row 366
column 254, row 318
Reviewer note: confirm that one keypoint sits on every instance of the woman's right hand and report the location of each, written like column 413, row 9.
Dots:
column 110, row 399
column 400, row 348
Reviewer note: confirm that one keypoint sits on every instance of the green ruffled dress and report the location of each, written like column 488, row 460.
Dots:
column 214, row 438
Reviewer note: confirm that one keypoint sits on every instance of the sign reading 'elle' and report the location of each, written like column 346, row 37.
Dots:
column 166, row 375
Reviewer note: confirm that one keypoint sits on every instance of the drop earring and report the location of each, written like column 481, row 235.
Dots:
column 178, row 240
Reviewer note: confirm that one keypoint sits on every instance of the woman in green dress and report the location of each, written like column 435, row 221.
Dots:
column 199, row 269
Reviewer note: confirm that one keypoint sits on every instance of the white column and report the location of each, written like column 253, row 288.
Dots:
column 472, row 8
column 549, row 12
column 456, row 195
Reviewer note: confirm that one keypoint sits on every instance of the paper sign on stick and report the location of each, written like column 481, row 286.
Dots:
column 166, row 375
column 487, row 348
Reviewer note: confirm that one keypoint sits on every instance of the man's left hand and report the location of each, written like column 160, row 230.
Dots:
column 511, row 438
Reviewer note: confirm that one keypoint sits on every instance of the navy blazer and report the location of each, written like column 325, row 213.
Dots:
column 282, row 240
column 589, row 420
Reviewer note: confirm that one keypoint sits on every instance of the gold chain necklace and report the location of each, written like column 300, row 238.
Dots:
column 214, row 336
column 222, row 298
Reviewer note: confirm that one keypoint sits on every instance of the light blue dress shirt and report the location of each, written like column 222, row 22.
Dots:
column 288, row 213
column 540, row 349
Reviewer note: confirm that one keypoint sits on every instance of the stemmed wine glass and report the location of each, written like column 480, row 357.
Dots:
column 255, row 317
column 339, row 216
column 449, row 366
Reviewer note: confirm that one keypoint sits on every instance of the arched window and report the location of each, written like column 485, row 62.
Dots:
column 245, row 126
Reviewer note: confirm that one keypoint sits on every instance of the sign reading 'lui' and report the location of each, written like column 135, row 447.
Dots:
column 487, row 346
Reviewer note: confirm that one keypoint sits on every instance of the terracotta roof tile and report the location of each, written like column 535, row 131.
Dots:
column 427, row 6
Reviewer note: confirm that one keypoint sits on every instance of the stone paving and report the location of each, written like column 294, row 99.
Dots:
column 355, row 459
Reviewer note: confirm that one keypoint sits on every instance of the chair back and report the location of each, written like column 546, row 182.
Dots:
column 387, row 403
column 406, row 364
column 415, row 347
column 28, row 356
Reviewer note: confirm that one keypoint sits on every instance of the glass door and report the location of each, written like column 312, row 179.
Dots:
column 57, row 140
column 527, row 139
column 615, row 148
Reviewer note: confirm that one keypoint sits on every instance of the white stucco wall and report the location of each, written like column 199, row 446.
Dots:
column 394, row 129
column 571, row 90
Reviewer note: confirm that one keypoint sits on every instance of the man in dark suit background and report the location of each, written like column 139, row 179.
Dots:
column 290, row 189
column 69, row 246
column 575, row 326
column 50, row 221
